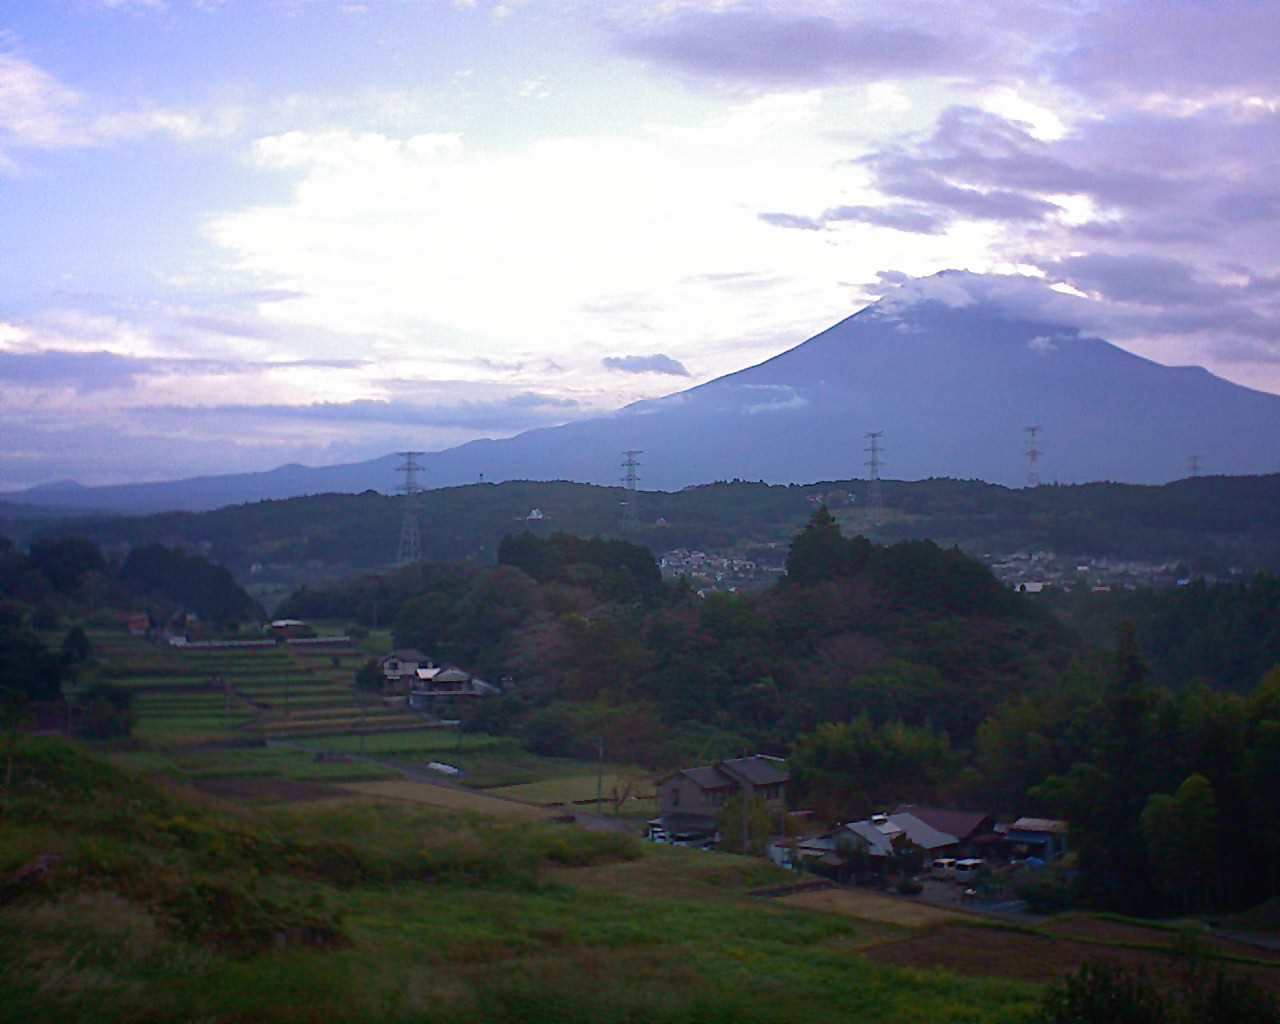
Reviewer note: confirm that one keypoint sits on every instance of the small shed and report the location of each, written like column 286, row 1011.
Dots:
column 1045, row 838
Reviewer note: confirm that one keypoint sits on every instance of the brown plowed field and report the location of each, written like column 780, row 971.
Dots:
column 988, row 952
column 268, row 790
column 1101, row 930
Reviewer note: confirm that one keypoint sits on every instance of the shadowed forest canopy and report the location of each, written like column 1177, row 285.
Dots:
column 910, row 632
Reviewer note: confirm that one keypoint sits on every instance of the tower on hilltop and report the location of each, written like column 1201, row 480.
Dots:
column 410, row 549
column 630, row 477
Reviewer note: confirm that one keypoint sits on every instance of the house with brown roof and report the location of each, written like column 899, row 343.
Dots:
column 400, row 667
column 691, row 798
column 974, row 831
column 436, row 689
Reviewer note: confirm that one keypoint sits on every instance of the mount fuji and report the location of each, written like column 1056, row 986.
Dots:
column 952, row 371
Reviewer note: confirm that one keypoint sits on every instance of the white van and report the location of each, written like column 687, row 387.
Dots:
column 967, row 870
column 944, row 867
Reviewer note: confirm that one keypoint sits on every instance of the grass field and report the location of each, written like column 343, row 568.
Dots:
column 377, row 907
column 576, row 788
column 165, row 909
column 448, row 798
column 870, row 906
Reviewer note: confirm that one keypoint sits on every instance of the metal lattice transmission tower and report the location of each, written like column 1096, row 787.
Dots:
column 630, row 477
column 875, row 497
column 410, row 549
column 1193, row 466
column 1033, row 455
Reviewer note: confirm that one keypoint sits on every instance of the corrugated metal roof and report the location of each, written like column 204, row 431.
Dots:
column 961, row 824
column 452, row 674
column 406, row 654
column 757, row 769
column 922, row 833
column 708, row 777
column 1039, row 825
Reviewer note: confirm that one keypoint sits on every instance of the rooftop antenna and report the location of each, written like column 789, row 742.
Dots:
column 875, row 498
column 1193, row 466
column 1033, row 455
column 410, row 549
column 630, row 477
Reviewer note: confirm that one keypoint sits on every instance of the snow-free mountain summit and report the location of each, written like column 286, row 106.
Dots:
column 952, row 370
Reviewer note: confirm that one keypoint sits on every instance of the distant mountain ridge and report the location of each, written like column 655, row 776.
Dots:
column 952, row 384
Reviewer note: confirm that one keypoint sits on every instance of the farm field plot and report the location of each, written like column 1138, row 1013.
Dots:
column 449, row 798
column 676, row 872
column 1001, row 953
column 423, row 744
column 575, row 788
column 189, row 728
column 487, row 762
column 1102, row 929
column 870, row 906
column 251, row 763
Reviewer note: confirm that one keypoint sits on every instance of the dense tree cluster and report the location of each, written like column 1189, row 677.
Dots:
column 909, row 633
column 27, row 666
column 69, row 576
column 189, row 581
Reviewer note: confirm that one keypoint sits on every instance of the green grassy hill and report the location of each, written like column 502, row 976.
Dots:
column 125, row 900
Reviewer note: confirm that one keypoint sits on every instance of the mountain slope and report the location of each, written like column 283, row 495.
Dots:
column 951, row 385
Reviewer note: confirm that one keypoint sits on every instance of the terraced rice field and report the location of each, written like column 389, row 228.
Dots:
column 186, row 697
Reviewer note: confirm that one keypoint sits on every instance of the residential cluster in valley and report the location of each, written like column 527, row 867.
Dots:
column 1032, row 571
column 706, row 807
column 707, row 571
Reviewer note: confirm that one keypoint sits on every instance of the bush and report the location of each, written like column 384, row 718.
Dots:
column 369, row 676
column 1102, row 993
column 108, row 712
column 1045, row 891
column 908, row 886
column 46, row 617
column 76, row 646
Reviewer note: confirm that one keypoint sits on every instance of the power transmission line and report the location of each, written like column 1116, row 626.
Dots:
column 630, row 477
column 1033, row 455
column 410, row 549
column 875, row 497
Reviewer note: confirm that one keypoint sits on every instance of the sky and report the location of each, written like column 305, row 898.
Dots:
column 241, row 233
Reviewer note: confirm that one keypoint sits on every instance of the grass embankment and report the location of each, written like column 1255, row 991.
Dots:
column 157, row 906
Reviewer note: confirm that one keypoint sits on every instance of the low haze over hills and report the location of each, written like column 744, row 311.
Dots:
column 952, row 369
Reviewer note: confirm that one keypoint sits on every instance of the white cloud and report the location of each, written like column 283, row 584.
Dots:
column 38, row 111
column 35, row 108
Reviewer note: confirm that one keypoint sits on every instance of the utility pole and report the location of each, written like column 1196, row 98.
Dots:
column 1033, row 455
column 410, row 549
column 875, row 497
column 630, row 477
column 1193, row 466
column 364, row 720
column 599, row 774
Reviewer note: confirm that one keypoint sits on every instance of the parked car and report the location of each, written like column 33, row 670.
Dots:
column 967, row 870
column 944, row 867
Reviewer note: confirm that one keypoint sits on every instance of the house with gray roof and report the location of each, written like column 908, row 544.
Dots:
column 440, row 689
column 691, row 798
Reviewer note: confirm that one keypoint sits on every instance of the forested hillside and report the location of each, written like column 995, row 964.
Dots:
column 592, row 641
column 1209, row 524
column 890, row 673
